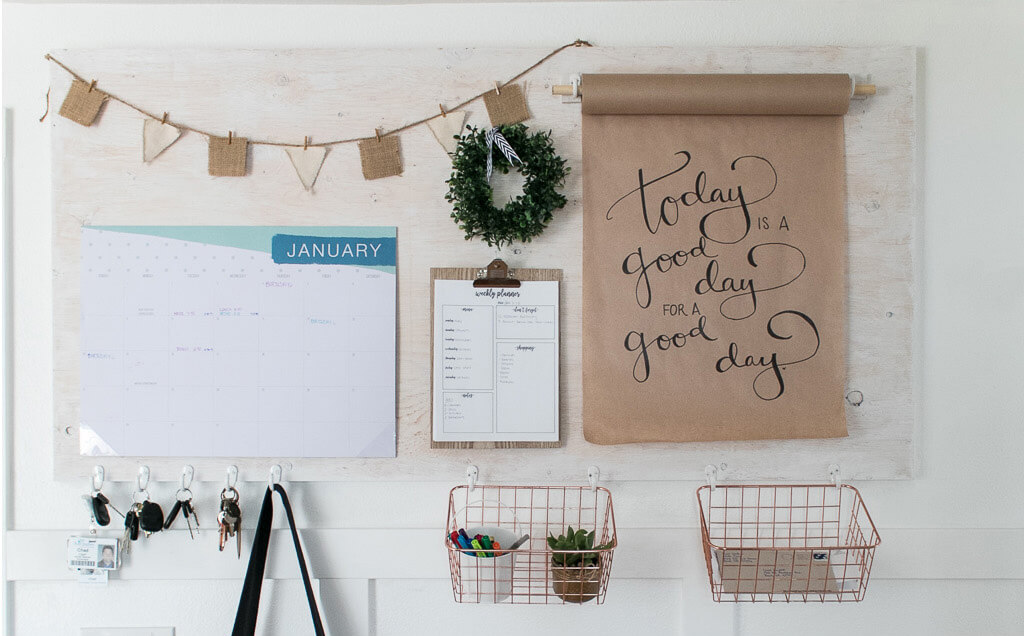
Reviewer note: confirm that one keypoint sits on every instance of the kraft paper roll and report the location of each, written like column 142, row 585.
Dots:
column 716, row 94
column 714, row 257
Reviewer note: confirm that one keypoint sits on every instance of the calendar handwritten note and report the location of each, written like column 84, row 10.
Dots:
column 238, row 341
column 495, row 362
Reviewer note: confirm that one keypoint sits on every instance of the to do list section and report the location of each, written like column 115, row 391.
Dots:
column 495, row 362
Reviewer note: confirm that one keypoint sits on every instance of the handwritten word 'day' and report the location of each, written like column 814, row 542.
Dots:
column 746, row 288
column 701, row 194
column 637, row 341
column 769, row 383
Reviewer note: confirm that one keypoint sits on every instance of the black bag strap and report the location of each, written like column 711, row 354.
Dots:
column 249, row 603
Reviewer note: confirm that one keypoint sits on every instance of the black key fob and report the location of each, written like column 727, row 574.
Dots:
column 99, row 510
column 131, row 524
column 173, row 514
column 151, row 517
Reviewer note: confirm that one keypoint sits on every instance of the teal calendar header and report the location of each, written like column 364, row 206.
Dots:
column 293, row 249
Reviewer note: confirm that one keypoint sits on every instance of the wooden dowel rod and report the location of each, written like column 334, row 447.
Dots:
column 860, row 90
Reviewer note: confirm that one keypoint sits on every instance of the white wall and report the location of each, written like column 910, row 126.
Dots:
column 951, row 559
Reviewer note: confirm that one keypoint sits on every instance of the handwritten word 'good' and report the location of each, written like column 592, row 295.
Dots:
column 637, row 341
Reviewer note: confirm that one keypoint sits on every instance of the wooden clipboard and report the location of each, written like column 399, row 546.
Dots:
column 496, row 274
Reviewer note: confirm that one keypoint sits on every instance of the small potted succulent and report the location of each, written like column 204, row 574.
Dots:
column 576, row 574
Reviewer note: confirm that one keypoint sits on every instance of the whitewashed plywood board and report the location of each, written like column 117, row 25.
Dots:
column 99, row 179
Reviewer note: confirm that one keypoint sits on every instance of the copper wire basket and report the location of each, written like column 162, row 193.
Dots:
column 527, row 574
column 810, row 543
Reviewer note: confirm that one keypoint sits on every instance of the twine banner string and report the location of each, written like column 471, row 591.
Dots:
column 335, row 142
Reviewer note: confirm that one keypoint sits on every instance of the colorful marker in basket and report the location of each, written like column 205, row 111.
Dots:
column 483, row 545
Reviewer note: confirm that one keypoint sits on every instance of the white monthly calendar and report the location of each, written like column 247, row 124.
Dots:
column 209, row 341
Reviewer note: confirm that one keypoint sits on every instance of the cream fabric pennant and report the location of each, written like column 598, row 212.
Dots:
column 447, row 128
column 307, row 163
column 157, row 137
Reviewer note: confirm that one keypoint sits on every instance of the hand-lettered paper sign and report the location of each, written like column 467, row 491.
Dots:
column 507, row 105
column 714, row 257
column 307, row 163
column 82, row 103
column 157, row 137
column 447, row 129
column 228, row 156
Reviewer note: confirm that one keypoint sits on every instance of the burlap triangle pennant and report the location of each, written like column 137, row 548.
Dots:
column 157, row 137
column 381, row 157
column 228, row 156
column 447, row 128
column 307, row 162
column 83, row 103
column 506, row 105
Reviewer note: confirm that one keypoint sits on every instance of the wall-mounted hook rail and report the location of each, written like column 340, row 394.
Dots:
column 98, row 476
column 276, row 473
column 711, row 473
column 143, row 479
column 232, row 477
column 833, row 474
column 188, row 473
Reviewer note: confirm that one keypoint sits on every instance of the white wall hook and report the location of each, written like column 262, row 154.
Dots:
column 593, row 475
column 711, row 473
column 232, row 477
column 833, row 473
column 98, row 475
column 472, row 472
column 143, row 478
column 188, row 473
column 276, row 472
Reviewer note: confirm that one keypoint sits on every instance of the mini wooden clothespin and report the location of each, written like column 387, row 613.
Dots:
column 496, row 88
column 230, row 136
column 164, row 120
column 92, row 85
column 444, row 113
column 377, row 132
column 305, row 142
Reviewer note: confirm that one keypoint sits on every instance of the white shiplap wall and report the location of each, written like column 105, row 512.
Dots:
column 950, row 562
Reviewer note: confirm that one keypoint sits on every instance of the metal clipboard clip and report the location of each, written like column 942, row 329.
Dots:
column 496, row 275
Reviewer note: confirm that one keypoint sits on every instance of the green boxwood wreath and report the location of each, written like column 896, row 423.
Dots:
column 522, row 218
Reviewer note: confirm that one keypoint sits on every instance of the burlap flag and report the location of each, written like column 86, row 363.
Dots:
column 381, row 157
column 228, row 156
column 82, row 103
column 446, row 129
column 506, row 105
column 307, row 162
column 157, row 137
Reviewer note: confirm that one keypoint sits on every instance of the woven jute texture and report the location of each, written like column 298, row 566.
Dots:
column 507, row 107
column 82, row 105
column 380, row 157
column 227, row 159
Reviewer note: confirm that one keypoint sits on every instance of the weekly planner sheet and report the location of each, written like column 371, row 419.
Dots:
column 212, row 341
column 495, row 362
